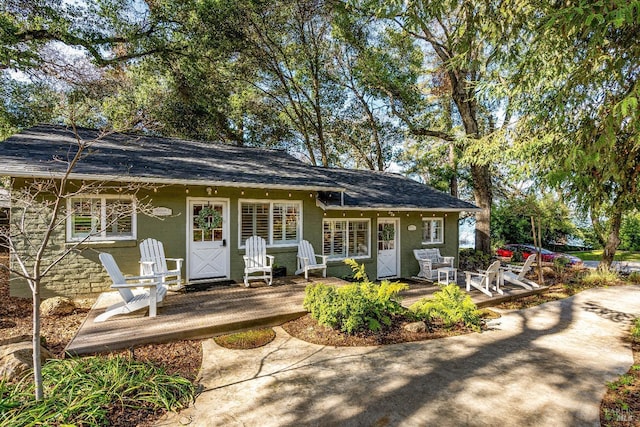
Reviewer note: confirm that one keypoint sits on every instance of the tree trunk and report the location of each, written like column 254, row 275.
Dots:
column 453, row 161
column 613, row 238
column 320, row 131
column 453, row 180
column 37, row 365
column 481, row 175
column 483, row 197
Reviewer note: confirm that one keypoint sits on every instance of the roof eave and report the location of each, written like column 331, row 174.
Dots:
column 169, row 181
column 326, row 207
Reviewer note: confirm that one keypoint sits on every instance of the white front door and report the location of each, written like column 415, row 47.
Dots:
column 208, row 239
column 388, row 247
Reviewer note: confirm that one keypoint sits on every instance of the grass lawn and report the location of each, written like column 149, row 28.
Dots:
column 596, row 255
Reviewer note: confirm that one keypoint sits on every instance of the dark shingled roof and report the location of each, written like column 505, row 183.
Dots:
column 124, row 157
column 384, row 190
column 41, row 151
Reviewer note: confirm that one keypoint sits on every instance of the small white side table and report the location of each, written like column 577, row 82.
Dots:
column 444, row 271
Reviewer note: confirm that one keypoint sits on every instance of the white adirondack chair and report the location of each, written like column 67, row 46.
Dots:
column 308, row 260
column 153, row 262
column 430, row 261
column 483, row 280
column 256, row 260
column 154, row 292
column 515, row 274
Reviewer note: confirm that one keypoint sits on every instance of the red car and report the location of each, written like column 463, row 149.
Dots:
column 547, row 256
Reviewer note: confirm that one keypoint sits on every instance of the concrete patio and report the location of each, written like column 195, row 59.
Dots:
column 224, row 310
column 543, row 366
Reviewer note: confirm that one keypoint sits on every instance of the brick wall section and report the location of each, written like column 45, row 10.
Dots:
column 78, row 274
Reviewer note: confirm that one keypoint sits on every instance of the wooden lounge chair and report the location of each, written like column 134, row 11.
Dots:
column 515, row 274
column 153, row 262
column 308, row 260
column 430, row 261
column 483, row 280
column 151, row 297
column 256, row 260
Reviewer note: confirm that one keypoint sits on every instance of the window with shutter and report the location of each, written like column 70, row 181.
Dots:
column 346, row 238
column 279, row 223
column 96, row 218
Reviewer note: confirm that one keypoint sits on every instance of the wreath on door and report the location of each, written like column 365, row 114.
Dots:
column 209, row 218
column 388, row 232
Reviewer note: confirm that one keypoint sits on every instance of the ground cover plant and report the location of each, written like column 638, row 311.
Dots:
column 93, row 391
column 621, row 404
column 246, row 339
column 601, row 276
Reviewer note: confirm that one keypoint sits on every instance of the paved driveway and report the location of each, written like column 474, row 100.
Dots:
column 544, row 366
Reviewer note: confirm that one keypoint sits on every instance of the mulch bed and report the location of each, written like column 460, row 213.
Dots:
column 307, row 329
column 181, row 357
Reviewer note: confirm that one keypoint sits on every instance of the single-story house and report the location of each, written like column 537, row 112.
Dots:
column 378, row 218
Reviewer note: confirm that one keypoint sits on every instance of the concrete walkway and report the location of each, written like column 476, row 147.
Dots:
column 544, row 366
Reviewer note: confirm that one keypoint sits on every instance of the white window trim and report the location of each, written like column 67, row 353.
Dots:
column 431, row 241
column 348, row 220
column 241, row 243
column 101, row 234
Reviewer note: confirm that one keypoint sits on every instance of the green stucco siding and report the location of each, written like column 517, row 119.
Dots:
column 409, row 240
column 81, row 273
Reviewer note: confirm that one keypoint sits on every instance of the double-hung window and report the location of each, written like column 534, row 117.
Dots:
column 432, row 230
column 346, row 238
column 96, row 218
column 278, row 222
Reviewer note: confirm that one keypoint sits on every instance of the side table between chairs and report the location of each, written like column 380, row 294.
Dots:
column 445, row 271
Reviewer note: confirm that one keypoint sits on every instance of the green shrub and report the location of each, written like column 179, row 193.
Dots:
column 451, row 306
column 357, row 306
column 561, row 263
column 630, row 232
column 601, row 276
column 82, row 391
column 634, row 277
column 517, row 256
column 472, row 260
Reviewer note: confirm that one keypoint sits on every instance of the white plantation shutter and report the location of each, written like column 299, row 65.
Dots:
column 278, row 223
column 286, row 220
column 254, row 221
column 358, row 238
column 119, row 221
column 345, row 238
